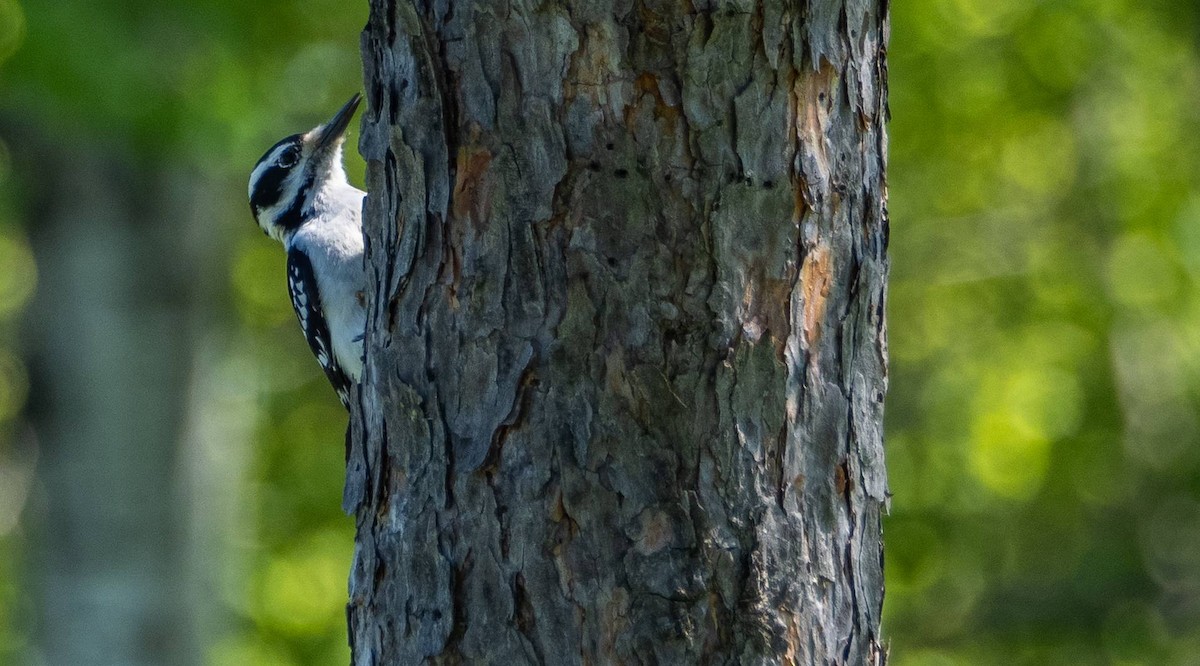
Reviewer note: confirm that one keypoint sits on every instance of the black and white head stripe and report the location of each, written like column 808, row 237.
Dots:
column 281, row 186
column 267, row 179
column 288, row 176
column 284, row 180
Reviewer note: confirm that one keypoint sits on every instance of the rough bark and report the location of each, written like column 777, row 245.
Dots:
column 626, row 355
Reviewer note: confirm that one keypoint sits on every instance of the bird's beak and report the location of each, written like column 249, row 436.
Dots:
column 333, row 130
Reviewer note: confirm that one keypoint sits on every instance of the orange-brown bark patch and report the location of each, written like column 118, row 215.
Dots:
column 814, row 92
column 815, row 277
column 647, row 84
column 472, row 185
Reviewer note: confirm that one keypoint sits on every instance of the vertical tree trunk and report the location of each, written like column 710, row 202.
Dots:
column 626, row 351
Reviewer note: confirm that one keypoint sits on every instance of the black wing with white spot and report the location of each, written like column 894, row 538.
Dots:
column 306, row 300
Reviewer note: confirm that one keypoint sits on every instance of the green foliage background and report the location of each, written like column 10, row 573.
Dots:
column 1042, row 420
column 1045, row 326
column 204, row 88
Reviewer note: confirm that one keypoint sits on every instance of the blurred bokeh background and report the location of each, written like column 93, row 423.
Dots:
column 170, row 459
column 172, row 479
column 1043, row 440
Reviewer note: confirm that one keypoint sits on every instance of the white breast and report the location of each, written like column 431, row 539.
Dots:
column 333, row 243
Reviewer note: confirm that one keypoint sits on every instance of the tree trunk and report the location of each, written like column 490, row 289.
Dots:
column 626, row 354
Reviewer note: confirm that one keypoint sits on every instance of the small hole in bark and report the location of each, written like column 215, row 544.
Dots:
column 612, row 261
column 608, row 146
column 768, row 184
column 667, row 177
column 594, row 166
column 821, row 97
column 879, row 396
column 621, row 173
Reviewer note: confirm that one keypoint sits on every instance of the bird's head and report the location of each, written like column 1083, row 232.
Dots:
column 292, row 172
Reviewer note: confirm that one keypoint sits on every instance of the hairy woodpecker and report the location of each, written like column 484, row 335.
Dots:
column 300, row 197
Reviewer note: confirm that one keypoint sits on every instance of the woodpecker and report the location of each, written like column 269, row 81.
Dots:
column 300, row 197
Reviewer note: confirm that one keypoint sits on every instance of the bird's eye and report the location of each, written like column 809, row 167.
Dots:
column 289, row 157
